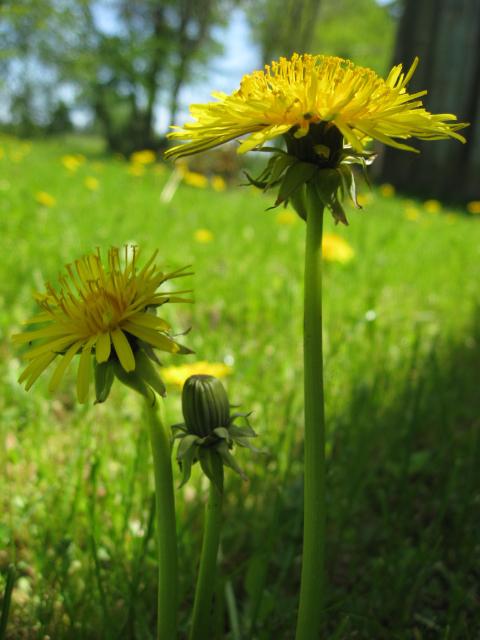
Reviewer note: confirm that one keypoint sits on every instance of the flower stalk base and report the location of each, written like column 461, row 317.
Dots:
column 165, row 522
column 312, row 590
column 205, row 590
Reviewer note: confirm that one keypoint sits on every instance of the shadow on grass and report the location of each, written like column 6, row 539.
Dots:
column 404, row 500
column 403, row 551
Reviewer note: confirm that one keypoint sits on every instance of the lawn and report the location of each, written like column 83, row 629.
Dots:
column 402, row 353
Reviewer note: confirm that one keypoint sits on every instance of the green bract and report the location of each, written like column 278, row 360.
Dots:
column 319, row 162
column 209, row 431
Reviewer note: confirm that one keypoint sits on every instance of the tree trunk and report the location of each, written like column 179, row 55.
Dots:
column 445, row 34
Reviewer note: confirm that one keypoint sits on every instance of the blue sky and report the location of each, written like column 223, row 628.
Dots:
column 240, row 56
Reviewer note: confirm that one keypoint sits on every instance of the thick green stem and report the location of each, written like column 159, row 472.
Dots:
column 165, row 523
column 312, row 590
column 204, row 593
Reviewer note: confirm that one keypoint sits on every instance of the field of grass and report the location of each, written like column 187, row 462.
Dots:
column 402, row 355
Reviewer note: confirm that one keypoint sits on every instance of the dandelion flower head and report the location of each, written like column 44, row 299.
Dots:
column 297, row 93
column 104, row 311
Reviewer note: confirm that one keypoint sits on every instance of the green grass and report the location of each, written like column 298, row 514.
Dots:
column 402, row 345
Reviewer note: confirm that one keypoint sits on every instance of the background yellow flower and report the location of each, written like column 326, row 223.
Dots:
column 203, row 236
column 45, row 199
column 177, row 375
column 336, row 249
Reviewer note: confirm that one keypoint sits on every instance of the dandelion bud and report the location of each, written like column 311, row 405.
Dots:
column 209, row 432
column 205, row 405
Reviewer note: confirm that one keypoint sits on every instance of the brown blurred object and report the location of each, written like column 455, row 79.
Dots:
column 223, row 161
column 445, row 34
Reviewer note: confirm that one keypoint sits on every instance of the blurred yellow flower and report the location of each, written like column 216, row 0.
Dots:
column 91, row 183
column 411, row 213
column 387, row 190
column 286, row 217
column 364, row 198
column 136, row 170
column 473, row 206
column 71, row 163
column 203, row 236
column 432, row 206
column 218, row 183
column 194, row 179
column 176, row 376
column 336, row 249
column 143, row 157
column 45, row 199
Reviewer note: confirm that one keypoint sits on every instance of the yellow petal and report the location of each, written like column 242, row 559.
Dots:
column 84, row 371
column 62, row 366
column 103, row 347
column 56, row 346
column 47, row 332
column 149, row 320
column 152, row 337
column 123, row 349
column 35, row 368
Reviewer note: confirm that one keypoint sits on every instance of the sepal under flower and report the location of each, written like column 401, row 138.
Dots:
column 329, row 177
column 209, row 429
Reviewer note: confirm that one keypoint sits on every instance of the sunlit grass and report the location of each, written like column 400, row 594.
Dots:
column 402, row 350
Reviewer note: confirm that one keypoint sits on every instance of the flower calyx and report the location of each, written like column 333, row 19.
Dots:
column 319, row 162
column 144, row 378
column 209, row 431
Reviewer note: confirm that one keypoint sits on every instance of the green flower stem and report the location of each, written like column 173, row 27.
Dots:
column 204, row 593
column 165, row 522
column 312, row 590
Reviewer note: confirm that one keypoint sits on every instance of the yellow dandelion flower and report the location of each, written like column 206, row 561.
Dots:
column 176, row 376
column 71, row 163
column 305, row 90
column 411, row 213
column 473, row 206
column 45, row 199
column 101, row 311
column 336, row 249
column 194, row 179
column 143, row 157
column 203, row 236
column 387, row 190
column 432, row 206
column 92, row 183
column 218, row 183
column 286, row 217
column 136, row 170
column 364, row 198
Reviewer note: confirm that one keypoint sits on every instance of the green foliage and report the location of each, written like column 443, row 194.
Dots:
column 402, row 346
column 120, row 58
column 282, row 32
column 361, row 30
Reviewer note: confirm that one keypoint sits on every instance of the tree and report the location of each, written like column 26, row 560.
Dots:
column 118, row 58
column 360, row 30
column 445, row 34
column 281, row 29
